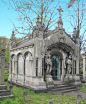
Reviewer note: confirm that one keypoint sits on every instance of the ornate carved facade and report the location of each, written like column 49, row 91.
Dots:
column 28, row 63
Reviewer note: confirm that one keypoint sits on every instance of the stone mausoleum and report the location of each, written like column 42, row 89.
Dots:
column 40, row 60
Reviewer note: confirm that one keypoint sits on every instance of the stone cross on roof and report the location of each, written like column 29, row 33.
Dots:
column 60, row 10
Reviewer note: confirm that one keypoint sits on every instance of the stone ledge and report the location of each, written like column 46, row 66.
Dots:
column 37, row 76
column 83, row 80
column 7, row 96
column 40, row 90
column 75, row 83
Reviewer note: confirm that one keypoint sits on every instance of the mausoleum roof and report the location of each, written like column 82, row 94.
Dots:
column 25, row 43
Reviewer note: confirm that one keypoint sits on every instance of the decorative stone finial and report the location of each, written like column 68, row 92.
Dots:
column 60, row 23
column 74, row 33
column 38, row 18
column 13, row 33
column 13, row 41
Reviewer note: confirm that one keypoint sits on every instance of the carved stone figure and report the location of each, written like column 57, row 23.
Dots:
column 79, row 99
column 40, row 34
column 49, row 64
column 68, row 64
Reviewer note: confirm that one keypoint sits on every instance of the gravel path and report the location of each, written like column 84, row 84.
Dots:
column 75, row 93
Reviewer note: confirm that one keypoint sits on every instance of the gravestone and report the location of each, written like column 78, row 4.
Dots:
column 50, row 102
column 3, row 88
column 79, row 99
column 25, row 96
column 2, row 66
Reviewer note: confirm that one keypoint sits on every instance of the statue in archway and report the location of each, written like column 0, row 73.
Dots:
column 68, row 62
column 49, row 64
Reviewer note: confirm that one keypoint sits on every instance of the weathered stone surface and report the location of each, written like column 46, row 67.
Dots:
column 2, row 69
column 27, row 58
column 50, row 102
column 84, row 66
column 79, row 99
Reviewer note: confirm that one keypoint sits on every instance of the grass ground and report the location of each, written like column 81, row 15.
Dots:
column 6, row 74
column 41, row 98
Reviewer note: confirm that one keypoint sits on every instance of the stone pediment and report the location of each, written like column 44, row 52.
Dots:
column 60, row 36
column 25, row 43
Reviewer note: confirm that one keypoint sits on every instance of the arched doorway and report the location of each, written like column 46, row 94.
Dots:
column 55, row 67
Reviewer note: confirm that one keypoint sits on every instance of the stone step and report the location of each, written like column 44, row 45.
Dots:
column 5, row 92
column 63, row 88
column 62, row 85
column 3, row 87
column 58, row 82
column 62, row 91
column 7, row 96
column 83, row 80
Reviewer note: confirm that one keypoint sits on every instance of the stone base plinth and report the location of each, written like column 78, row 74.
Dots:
column 38, row 83
column 49, row 81
column 35, row 88
column 34, row 83
column 67, row 77
column 73, row 80
column 75, row 83
column 83, row 80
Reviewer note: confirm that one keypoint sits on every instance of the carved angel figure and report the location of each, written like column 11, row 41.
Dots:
column 68, row 64
column 49, row 64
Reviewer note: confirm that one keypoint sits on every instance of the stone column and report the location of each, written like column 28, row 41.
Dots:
column 77, row 70
column 59, row 69
column 40, row 57
column 72, row 68
column 24, row 70
column 9, row 65
column 84, row 66
column 63, row 72
column 39, row 66
column 16, row 67
column 2, row 69
column 10, row 68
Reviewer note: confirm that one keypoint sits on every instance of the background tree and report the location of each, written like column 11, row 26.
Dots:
column 7, row 51
column 29, row 10
column 2, row 45
column 76, row 17
column 78, row 21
